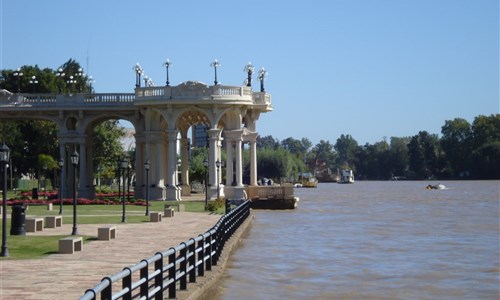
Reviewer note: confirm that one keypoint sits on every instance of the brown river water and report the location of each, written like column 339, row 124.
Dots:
column 373, row 240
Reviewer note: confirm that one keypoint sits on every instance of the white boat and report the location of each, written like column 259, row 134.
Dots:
column 346, row 176
column 436, row 187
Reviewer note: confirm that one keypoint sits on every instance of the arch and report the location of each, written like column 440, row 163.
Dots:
column 158, row 115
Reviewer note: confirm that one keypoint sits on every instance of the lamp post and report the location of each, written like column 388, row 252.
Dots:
column 205, row 163
column 79, row 75
column 99, row 171
column 34, row 82
column 249, row 70
column 18, row 74
column 124, row 166
column 178, row 173
column 90, row 81
column 138, row 72
column 61, row 165
column 71, row 81
column 60, row 74
column 148, row 82
column 4, row 159
column 147, row 165
column 167, row 64
column 215, row 64
column 218, row 164
column 262, row 76
column 74, row 161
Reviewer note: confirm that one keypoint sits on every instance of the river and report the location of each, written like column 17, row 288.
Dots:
column 373, row 240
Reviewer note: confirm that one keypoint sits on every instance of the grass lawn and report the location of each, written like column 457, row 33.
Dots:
column 31, row 247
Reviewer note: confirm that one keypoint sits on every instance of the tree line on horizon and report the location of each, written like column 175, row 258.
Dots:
column 464, row 151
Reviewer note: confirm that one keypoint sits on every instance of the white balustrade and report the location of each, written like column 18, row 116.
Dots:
column 199, row 92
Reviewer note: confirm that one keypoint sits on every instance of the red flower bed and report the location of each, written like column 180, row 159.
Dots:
column 101, row 199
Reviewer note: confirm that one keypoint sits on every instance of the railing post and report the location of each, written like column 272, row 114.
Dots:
column 183, row 267
column 127, row 284
column 144, row 273
column 158, row 278
column 107, row 293
column 208, row 253
column 201, row 256
column 171, row 274
column 192, row 261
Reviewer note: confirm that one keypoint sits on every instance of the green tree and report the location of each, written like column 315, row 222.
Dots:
column 323, row 154
column 485, row 161
column 399, row 156
column 346, row 147
column 278, row 164
column 485, row 129
column 297, row 147
column 197, row 169
column 267, row 142
column 373, row 161
column 47, row 79
column 423, row 155
column 107, row 148
column 456, row 144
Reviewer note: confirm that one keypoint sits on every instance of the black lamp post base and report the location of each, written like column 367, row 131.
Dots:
column 75, row 231
column 5, row 252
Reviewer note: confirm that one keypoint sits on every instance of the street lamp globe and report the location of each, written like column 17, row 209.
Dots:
column 262, row 76
column 249, row 68
column 215, row 64
column 167, row 65
column 138, row 72
column 74, row 158
column 4, row 153
column 34, row 82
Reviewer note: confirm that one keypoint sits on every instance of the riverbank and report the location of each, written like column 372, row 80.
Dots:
column 68, row 276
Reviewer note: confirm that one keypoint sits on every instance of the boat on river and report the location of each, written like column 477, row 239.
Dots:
column 346, row 176
column 436, row 187
column 306, row 180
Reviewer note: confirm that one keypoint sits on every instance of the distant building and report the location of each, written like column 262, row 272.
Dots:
column 128, row 140
column 199, row 136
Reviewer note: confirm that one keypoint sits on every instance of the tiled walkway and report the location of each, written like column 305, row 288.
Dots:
column 67, row 276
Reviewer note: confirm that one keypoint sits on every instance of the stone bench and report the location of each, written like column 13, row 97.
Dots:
column 53, row 221
column 70, row 245
column 169, row 212
column 34, row 224
column 106, row 233
column 155, row 216
column 178, row 207
column 49, row 205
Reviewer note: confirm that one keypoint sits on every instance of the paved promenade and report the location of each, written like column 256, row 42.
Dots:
column 67, row 276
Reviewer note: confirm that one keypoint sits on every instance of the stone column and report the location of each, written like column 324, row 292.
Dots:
column 212, row 157
column 157, row 154
column 229, row 162
column 173, row 193
column 234, row 137
column 239, row 163
column 84, row 189
column 253, row 158
column 140, row 173
column 186, row 189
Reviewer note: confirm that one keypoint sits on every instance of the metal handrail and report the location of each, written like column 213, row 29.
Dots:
column 163, row 271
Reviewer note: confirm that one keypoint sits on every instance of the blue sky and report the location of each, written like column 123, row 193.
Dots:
column 368, row 68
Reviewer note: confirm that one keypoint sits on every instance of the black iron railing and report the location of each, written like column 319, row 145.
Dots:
column 159, row 276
